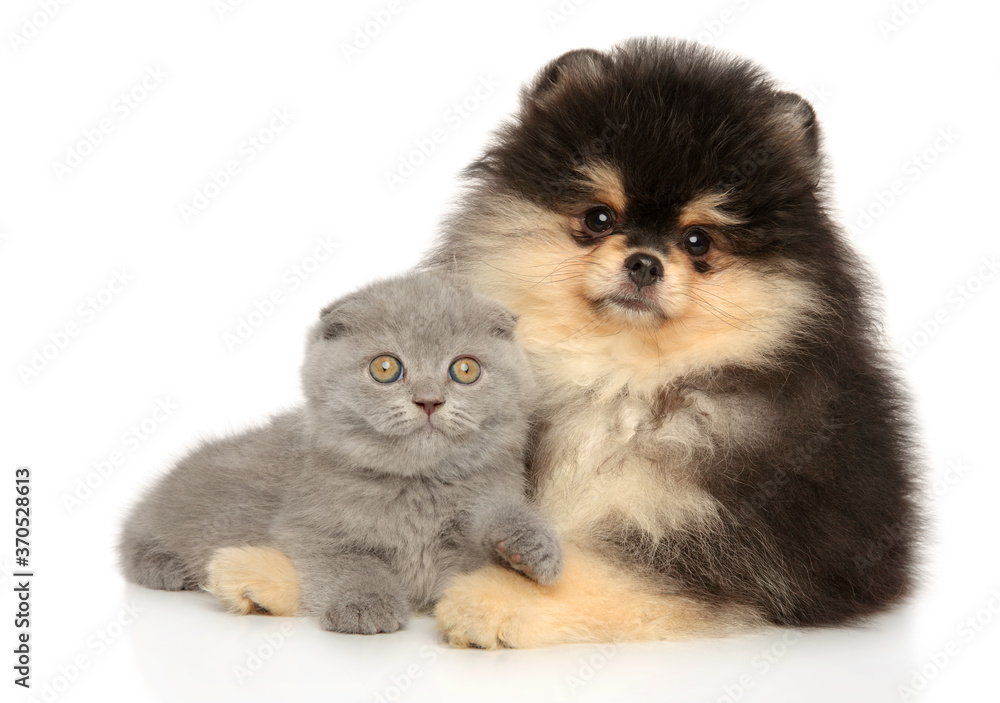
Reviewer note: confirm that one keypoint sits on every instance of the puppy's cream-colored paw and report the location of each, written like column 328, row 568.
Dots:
column 254, row 579
column 492, row 608
column 592, row 601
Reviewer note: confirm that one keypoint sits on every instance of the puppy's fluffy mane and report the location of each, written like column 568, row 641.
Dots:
column 724, row 424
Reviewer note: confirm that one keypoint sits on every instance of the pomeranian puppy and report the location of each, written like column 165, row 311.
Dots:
column 722, row 443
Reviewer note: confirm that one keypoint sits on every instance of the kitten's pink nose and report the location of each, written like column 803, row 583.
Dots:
column 428, row 403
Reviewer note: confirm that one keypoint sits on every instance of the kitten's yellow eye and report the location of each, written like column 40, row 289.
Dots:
column 386, row 369
column 465, row 370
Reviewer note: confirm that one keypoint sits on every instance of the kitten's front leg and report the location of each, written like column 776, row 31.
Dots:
column 367, row 607
column 353, row 592
column 519, row 537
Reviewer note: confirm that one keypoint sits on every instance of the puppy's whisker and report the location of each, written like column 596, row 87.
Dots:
column 726, row 301
column 561, row 266
column 534, row 280
column 585, row 331
column 722, row 317
column 726, row 317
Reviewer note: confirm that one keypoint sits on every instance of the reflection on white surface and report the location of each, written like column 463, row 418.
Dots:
column 187, row 649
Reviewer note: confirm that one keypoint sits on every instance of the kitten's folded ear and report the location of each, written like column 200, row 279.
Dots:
column 332, row 322
column 503, row 322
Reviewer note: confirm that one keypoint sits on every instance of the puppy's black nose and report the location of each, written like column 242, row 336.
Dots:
column 643, row 269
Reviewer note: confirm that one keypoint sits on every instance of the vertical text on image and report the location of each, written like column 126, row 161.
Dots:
column 22, row 577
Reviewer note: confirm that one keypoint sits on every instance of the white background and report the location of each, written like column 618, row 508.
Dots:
column 882, row 97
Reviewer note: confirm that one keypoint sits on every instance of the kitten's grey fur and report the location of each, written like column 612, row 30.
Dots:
column 377, row 503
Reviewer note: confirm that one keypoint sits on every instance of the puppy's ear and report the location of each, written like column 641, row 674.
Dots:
column 572, row 70
column 797, row 124
column 332, row 322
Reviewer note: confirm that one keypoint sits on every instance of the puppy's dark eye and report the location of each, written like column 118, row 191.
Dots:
column 598, row 220
column 697, row 241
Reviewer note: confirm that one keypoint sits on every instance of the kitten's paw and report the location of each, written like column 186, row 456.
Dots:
column 147, row 565
column 252, row 580
column 534, row 552
column 366, row 613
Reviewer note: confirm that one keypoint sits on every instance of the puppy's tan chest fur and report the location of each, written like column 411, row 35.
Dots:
column 620, row 461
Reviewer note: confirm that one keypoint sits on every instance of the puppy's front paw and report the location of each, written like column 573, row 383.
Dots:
column 366, row 612
column 534, row 552
column 493, row 608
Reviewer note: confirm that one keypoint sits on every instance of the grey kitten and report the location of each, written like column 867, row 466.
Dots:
column 404, row 468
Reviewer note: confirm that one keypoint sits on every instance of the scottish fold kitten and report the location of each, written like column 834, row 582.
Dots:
column 404, row 468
